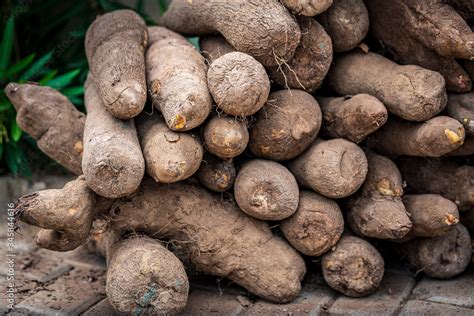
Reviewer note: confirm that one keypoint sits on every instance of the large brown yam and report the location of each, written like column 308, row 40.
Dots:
column 433, row 138
column 352, row 118
column 440, row 257
column 64, row 215
column 225, row 136
column 311, row 61
column 263, row 29
column 51, row 119
column 214, row 46
column 286, row 126
column 176, row 79
column 431, row 214
column 169, row 156
column 307, row 7
column 112, row 162
column 411, row 92
column 240, row 248
column 238, row 83
column 354, row 268
column 316, row 226
column 216, row 174
column 115, row 48
column 428, row 33
column 266, row 190
column 446, row 178
column 379, row 211
column 143, row 277
column 461, row 107
column 347, row 23
column 335, row 168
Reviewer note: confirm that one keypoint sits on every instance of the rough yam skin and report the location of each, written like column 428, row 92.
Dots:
column 461, row 107
column 464, row 7
column 316, row 226
column 286, row 126
column 50, row 118
column 354, row 268
column 238, row 84
column 266, row 190
column 466, row 149
column 428, row 33
column 225, row 136
column 410, row 92
column 239, row 248
column 143, row 277
column 307, row 7
column 177, row 80
column 433, row 138
column 214, row 46
column 216, row 174
column 440, row 257
column 431, row 214
column 335, row 168
column 64, row 215
column 263, row 29
column 311, row 61
column 112, row 162
column 379, row 211
column 169, row 156
column 115, row 49
column 352, row 117
column 445, row 178
column 346, row 22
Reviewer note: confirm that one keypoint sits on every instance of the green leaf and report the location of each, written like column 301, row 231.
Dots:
column 63, row 80
column 15, row 131
column 194, row 41
column 163, row 5
column 7, row 45
column 19, row 66
column 38, row 68
column 4, row 106
column 73, row 91
column 50, row 75
column 16, row 159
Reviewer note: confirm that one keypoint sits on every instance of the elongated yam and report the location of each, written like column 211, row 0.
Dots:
column 214, row 46
column 263, row 29
column 112, row 162
column 347, row 23
column 307, row 7
column 354, row 268
column 352, row 118
column 266, row 190
column 176, row 80
column 216, row 174
column 316, row 226
column 225, row 136
column 461, row 108
column 238, row 83
column 335, row 168
column 115, row 49
column 169, row 156
column 433, row 138
column 410, row 92
column 51, row 119
column 286, row 126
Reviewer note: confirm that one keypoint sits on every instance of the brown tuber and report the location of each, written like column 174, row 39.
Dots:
column 115, row 48
column 307, row 7
column 461, row 108
column 335, row 168
column 216, row 174
column 266, row 190
column 316, row 226
column 225, row 137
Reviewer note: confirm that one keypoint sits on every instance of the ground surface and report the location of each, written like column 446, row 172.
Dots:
column 73, row 283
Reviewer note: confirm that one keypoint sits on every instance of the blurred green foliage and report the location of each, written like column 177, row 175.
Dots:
column 43, row 42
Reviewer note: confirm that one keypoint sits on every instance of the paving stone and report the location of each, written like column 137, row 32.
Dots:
column 457, row 291
column 79, row 257
column 314, row 299
column 422, row 308
column 387, row 300
column 203, row 303
column 71, row 294
column 103, row 308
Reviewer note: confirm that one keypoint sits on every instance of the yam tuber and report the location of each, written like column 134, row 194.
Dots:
column 51, row 119
column 316, row 226
column 410, row 92
column 266, row 190
column 335, row 168
column 352, row 117
column 214, row 46
column 225, row 136
column 216, row 174
column 461, row 108
column 263, row 29
column 307, row 7
column 115, row 49
column 286, row 126
column 112, row 162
